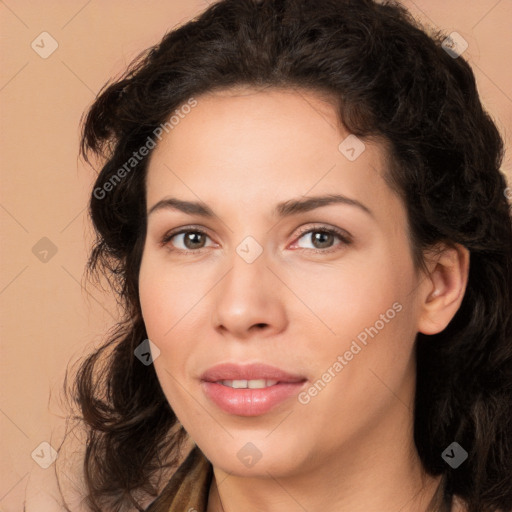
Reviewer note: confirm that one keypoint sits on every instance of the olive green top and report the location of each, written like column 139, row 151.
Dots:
column 187, row 490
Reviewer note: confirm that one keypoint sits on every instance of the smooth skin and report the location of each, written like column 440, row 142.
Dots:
column 297, row 306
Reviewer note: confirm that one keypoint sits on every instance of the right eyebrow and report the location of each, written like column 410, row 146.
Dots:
column 190, row 207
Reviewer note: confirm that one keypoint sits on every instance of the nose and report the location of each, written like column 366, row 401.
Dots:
column 249, row 301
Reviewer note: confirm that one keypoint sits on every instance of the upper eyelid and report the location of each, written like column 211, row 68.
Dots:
column 344, row 236
column 324, row 227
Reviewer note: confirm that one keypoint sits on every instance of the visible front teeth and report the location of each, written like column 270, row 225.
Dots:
column 249, row 384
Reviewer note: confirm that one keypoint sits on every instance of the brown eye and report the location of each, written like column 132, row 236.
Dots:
column 193, row 240
column 322, row 239
column 186, row 240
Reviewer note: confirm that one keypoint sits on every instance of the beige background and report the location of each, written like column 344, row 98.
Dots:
column 47, row 317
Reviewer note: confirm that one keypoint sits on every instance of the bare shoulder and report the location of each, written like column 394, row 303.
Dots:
column 459, row 505
column 61, row 486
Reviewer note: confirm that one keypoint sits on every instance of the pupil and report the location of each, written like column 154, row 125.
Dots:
column 318, row 237
column 192, row 239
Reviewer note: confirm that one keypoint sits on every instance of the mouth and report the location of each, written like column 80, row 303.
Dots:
column 249, row 373
column 249, row 390
column 248, row 384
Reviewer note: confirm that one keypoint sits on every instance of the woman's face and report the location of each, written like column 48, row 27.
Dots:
column 311, row 304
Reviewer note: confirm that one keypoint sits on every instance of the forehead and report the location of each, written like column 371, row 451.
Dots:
column 250, row 146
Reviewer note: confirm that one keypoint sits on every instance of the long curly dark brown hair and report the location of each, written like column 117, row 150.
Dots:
column 389, row 79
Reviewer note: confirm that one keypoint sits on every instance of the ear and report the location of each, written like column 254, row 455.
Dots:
column 444, row 287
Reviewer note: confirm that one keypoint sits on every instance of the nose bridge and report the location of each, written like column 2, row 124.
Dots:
column 249, row 293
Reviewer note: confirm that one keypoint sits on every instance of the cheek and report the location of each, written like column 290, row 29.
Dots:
column 359, row 373
column 356, row 295
column 370, row 312
column 166, row 296
column 173, row 306
column 162, row 304
column 154, row 299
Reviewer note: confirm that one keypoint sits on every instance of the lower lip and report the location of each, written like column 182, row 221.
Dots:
column 250, row 402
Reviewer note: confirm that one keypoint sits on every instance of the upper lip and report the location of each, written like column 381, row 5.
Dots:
column 254, row 371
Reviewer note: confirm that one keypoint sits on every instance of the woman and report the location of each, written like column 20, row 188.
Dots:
column 301, row 209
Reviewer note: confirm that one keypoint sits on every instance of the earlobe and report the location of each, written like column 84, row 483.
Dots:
column 444, row 287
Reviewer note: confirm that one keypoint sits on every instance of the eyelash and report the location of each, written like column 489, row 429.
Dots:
column 341, row 235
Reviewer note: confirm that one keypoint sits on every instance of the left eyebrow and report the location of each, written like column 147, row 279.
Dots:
column 284, row 209
column 295, row 206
